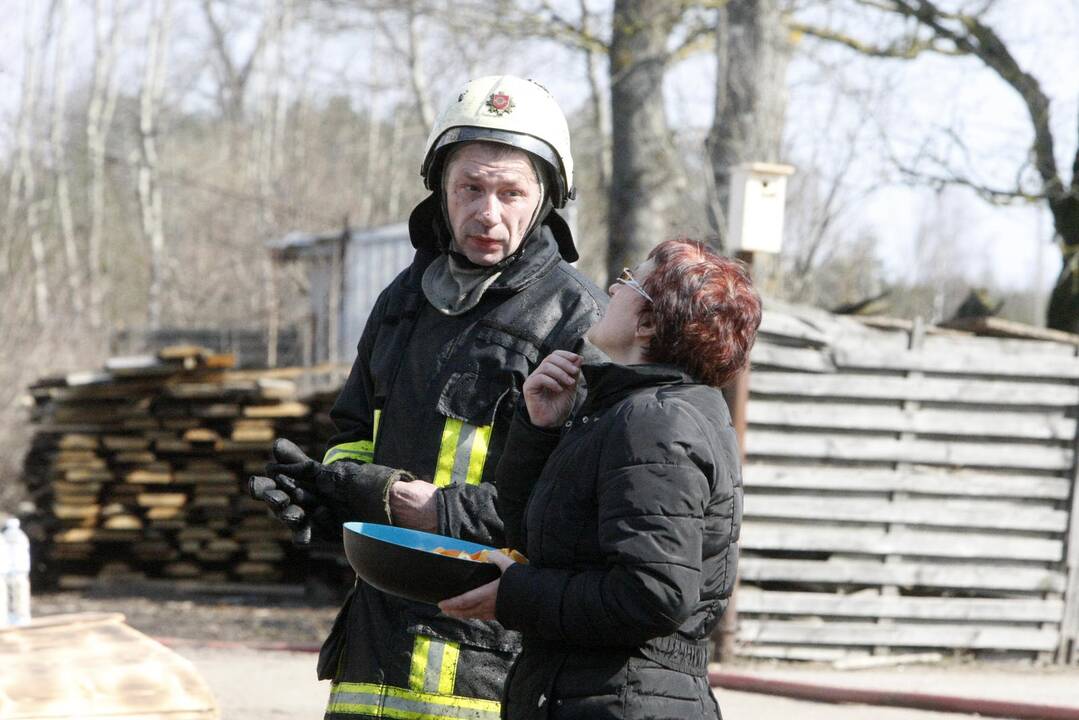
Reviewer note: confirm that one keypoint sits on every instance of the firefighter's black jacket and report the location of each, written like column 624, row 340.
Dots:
column 434, row 395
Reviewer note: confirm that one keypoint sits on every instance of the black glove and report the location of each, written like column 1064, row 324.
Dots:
column 303, row 512
column 360, row 491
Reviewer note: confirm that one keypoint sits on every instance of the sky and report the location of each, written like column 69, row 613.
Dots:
column 900, row 104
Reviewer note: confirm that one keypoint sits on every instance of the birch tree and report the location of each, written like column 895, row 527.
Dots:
column 149, row 186
column 58, row 143
column 23, row 190
column 271, row 160
column 98, row 125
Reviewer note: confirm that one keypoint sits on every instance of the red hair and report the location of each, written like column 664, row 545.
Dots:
column 704, row 310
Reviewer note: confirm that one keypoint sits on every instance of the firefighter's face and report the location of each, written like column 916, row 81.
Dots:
column 491, row 198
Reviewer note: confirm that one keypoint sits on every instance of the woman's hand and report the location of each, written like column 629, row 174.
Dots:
column 550, row 390
column 477, row 604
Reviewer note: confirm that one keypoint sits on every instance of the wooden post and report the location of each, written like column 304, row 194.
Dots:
column 737, row 396
column 274, row 324
column 1068, row 648
column 336, row 290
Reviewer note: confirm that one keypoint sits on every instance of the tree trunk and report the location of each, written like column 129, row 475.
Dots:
column 25, row 145
column 271, row 166
column 416, row 72
column 150, row 202
column 752, row 52
column 601, row 106
column 393, row 171
column 1063, row 310
column 232, row 76
column 371, row 162
column 58, row 140
column 647, row 187
column 98, row 123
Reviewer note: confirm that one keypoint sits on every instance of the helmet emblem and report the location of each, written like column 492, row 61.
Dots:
column 500, row 103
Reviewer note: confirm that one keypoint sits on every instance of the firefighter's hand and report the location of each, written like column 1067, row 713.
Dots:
column 358, row 491
column 413, row 505
column 290, row 461
column 302, row 512
column 551, row 389
column 477, row 604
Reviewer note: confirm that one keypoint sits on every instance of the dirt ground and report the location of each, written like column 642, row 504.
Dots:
column 236, row 641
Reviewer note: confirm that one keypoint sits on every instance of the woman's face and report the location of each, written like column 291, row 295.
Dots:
column 616, row 333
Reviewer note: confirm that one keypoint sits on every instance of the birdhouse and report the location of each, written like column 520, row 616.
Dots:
column 755, row 212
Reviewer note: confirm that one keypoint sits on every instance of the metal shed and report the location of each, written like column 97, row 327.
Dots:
column 346, row 272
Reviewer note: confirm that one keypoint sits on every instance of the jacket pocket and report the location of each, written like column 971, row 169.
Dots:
column 479, row 381
column 474, row 633
column 471, row 398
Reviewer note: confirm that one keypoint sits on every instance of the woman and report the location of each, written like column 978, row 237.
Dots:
column 629, row 509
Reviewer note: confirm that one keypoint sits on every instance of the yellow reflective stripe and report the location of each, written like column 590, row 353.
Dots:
column 393, row 702
column 434, row 665
column 447, row 452
column 374, row 431
column 462, row 453
column 418, row 671
column 362, row 450
column 447, row 674
column 479, row 454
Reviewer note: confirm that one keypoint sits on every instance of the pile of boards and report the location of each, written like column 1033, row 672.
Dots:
column 140, row 468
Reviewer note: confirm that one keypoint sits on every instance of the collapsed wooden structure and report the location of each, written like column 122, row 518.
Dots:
column 908, row 490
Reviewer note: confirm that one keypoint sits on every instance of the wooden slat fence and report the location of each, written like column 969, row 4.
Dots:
column 908, row 490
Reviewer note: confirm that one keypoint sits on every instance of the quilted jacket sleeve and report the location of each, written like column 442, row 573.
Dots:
column 353, row 412
column 653, row 486
column 527, row 450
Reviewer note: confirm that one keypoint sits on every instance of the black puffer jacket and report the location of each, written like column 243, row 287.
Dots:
column 631, row 531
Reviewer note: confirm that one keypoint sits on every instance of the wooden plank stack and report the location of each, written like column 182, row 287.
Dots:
column 908, row 490
column 140, row 468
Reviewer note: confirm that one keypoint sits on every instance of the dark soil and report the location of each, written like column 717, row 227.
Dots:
column 281, row 614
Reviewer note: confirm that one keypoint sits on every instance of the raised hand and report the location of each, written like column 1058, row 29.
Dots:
column 550, row 390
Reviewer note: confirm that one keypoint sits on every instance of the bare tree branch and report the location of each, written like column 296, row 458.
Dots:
column 233, row 79
column 976, row 38
column 906, row 48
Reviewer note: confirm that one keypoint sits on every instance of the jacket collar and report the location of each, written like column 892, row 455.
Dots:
column 609, row 382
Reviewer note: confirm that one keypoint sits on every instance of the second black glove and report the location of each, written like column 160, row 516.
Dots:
column 360, row 489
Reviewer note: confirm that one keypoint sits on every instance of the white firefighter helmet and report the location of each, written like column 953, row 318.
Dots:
column 508, row 110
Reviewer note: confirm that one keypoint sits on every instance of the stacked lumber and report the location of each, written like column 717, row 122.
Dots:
column 140, row 468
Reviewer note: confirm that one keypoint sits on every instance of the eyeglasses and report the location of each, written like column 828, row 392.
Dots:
column 627, row 279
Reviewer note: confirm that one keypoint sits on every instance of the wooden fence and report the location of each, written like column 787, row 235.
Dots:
column 908, row 490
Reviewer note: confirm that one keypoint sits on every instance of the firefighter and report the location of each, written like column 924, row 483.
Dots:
column 426, row 408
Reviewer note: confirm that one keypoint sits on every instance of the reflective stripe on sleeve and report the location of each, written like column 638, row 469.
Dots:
column 361, row 451
column 386, row 701
column 462, row 453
